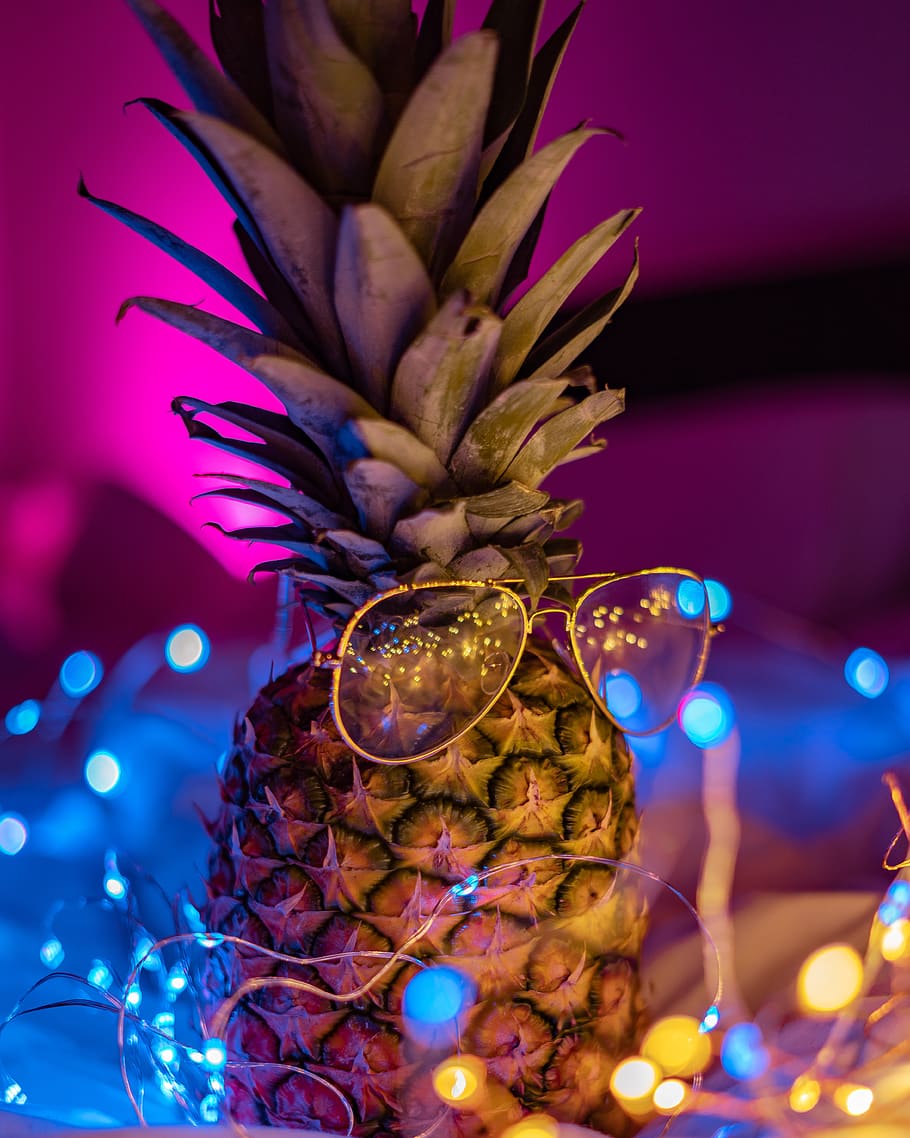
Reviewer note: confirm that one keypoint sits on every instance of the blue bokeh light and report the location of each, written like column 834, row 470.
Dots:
column 743, row 1054
column 720, row 603
column 899, row 893
column 866, row 672
column 711, row 1019
column 176, row 980
column 103, row 772
column 896, row 902
column 210, row 1109
column 690, row 597
column 214, row 1054
column 80, row 674
column 51, row 953
column 622, row 695
column 437, row 996
column 13, row 834
column 100, row 975
column 187, row 648
column 115, row 886
column 706, row 715
column 23, row 717
column 144, row 956
column 12, row 1094
column 467, row 887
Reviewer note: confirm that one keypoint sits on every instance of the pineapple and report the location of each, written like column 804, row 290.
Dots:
column 388, row 196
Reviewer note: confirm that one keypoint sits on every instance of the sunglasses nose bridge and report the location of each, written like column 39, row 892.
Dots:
column 549, row 612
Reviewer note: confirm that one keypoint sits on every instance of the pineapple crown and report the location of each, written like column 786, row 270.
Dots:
column 388, row 198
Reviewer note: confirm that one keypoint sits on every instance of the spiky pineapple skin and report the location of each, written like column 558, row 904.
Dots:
column 318, row 851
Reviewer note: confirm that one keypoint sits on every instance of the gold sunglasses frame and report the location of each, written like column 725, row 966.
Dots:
column 335, row 659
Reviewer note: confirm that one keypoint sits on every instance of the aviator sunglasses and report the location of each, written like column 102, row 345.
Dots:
column 419, row 665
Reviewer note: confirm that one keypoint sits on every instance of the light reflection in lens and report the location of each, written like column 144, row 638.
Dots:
column 621, row 694
column 639, row 651
column 690, row 597
column 422, row 665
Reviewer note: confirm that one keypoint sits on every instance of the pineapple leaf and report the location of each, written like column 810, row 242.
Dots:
column 383, row 34
column 316, row 403
column 583, row 452
column 210, row 90
column 565, row 511
column 520, row 142
column 227, row 284
column 294, row 224
column 509, row 501
column 442, row 377
column 380, row 492
column 276, row 289
column 564, row 345
column 435, row 33
column 529, row 563
column 557, row 515
column 362, row 553
column 533, row 312
column 249, row 497
column 238, row 36
column 236, row 343
column 523, row 134
column 536, row 528
column 484, row 564
column 439, row 534
column 496, row 513
column 495, row 436
column 173, row 121
column 356, row 592
column 428, row 175
column 292, row 537
column 285, row 499
column 393, row 443
column 563, row 555
column 520, row 262
column 483, row 259
column 516, row 23
column 557, row 436
column 328, row 106
column 283, row 449
column 383, row 297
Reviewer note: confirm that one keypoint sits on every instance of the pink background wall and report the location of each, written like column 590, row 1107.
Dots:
column 763, row 140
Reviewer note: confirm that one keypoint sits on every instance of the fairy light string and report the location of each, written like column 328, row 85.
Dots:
column 856, row 1073
column 157, row 1036
column 840, row 1077
column 900, row 805
column 719, row 778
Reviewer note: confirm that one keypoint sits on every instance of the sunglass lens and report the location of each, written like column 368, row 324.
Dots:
column 641, row 640
column 420, row 667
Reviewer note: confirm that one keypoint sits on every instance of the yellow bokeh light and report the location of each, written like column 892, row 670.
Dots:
column 896, row 940
column 534, row 1126
column 670, row 1095
column 677, row 1046
column 853, row 1099
column 804, row 1094
column 458, row 1080
column 634, row 1080
column 830, row 978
